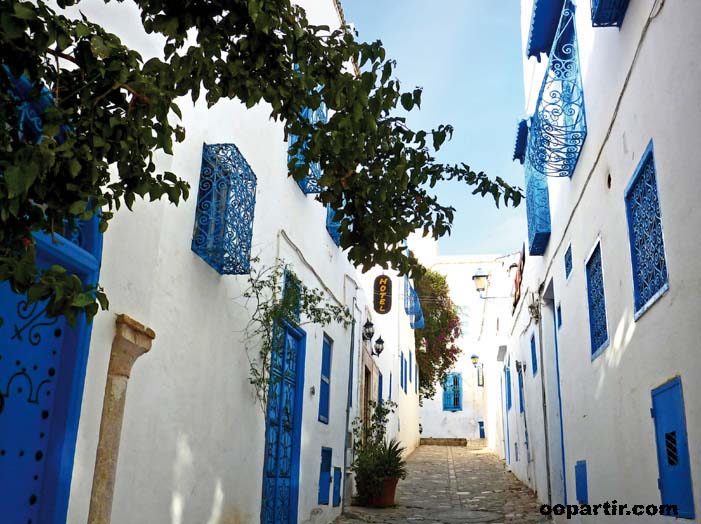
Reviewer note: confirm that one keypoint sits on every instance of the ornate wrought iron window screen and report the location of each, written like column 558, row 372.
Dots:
column 537, row 210
column 225, row 206
column 558, row 127
column 333, row 226
column 598, row 329
column 310, row 183
column 650, row 278
column 608, row 13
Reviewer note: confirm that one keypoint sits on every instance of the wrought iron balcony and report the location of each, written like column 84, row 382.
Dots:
column 537, row 211
column 558, row 126
column 225, row 206
column 309, row 184
column 333, row 226
column 608, row 13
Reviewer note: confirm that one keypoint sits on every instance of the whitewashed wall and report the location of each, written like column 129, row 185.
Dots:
column 193, row 437
column 640, row 84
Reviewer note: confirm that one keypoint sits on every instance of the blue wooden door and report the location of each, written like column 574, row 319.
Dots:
column 672, row 447
column 42, row 369
column 283, row 429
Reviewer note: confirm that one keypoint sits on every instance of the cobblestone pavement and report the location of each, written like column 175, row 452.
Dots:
column 454, row 485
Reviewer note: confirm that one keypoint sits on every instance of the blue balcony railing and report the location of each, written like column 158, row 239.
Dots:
column 537, row 211
column 558, row 126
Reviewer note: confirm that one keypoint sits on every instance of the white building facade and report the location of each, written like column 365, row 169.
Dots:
column 196, row 445
column 603, row 337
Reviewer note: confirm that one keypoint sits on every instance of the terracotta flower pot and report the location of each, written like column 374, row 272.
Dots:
column 386, row 497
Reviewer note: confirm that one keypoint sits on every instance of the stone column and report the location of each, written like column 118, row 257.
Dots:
column 131, row 340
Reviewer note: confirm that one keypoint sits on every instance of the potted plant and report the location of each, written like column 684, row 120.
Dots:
column 378, row 464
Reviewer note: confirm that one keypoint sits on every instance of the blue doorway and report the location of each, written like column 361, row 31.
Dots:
column 481, row 427
column 42, row 371
column 283, row 425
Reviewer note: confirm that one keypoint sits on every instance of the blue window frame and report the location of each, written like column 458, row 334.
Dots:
column 325, row 475
column 608, row 13
column 226, row 201
column 507, row 385
column 333, row 226
column 310, row 183
column 337, row 483
column 401, row 370
column 406, row 374
column 534, row 356
column 568, row 262
column 650, row 279
column 559, row 316
column 325, row 383
column 580, row 480
column 598, row 330
column 672, row 447
column 379, row 389
column 411, row 365
column 452, row 392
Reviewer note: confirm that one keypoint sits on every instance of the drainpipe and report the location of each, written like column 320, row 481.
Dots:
column 348, row 406
column 542, row 388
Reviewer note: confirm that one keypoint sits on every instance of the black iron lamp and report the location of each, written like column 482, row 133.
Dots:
column 379, row 346
column 368, row 330
column 481, row 279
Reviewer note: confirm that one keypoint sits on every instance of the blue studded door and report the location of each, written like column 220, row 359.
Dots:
column 283, row 429
column 42, row 366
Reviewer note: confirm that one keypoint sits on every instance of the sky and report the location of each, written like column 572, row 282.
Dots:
column 466, row 54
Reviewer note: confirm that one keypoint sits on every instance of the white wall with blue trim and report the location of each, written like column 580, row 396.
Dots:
column 640, row 90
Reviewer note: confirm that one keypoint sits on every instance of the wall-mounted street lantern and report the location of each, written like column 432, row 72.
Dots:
column 368, row 330
column 475, row 360
column 481, row 279
column 379, row 346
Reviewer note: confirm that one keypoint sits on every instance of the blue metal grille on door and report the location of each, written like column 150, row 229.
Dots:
column 282, row 433
column 42, row 368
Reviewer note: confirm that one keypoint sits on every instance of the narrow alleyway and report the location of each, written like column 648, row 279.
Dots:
column 454, row 485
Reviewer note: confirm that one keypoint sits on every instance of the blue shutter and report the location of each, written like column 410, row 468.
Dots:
column 389, row 393
column 447, row 397
column 597, row 302
column 507, row 386
column 458, row 393
column 534, row 357
column 379, row 389
column 580, row 479
column 325, row 383
column 672, row 447
column 337, row 482
column 325, row 476
column 406, row 382
column 401, row 370
column 520, row 392
column 411, row 365
column 452, row 392
column 608, row 13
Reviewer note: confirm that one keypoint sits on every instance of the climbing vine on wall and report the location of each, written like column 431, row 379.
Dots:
column 276, row 296
column 438, row 337
column 111, row 111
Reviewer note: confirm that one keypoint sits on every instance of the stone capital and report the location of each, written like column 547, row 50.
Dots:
column 131, row 340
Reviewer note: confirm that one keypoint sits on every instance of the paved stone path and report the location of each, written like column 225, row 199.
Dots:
column 454, row 485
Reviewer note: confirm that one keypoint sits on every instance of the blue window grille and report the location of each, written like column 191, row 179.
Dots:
column 537, row 210
column 520, row 391
column 325, row 475
column 379, row 389
column 647, row 253
column 544, row 18
column 310, row 183
column 580, row 479
column 558, row 126
column 333, row 226
column 452, row 392
column 608, row 13
column 325, row 383
column 521, row 141
column 534, row 356
column 568, row 261
column 507, row 385
column 225, row 205
column 337, row 483
column 598, row 329
column 559, row 316
column 671, row 439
